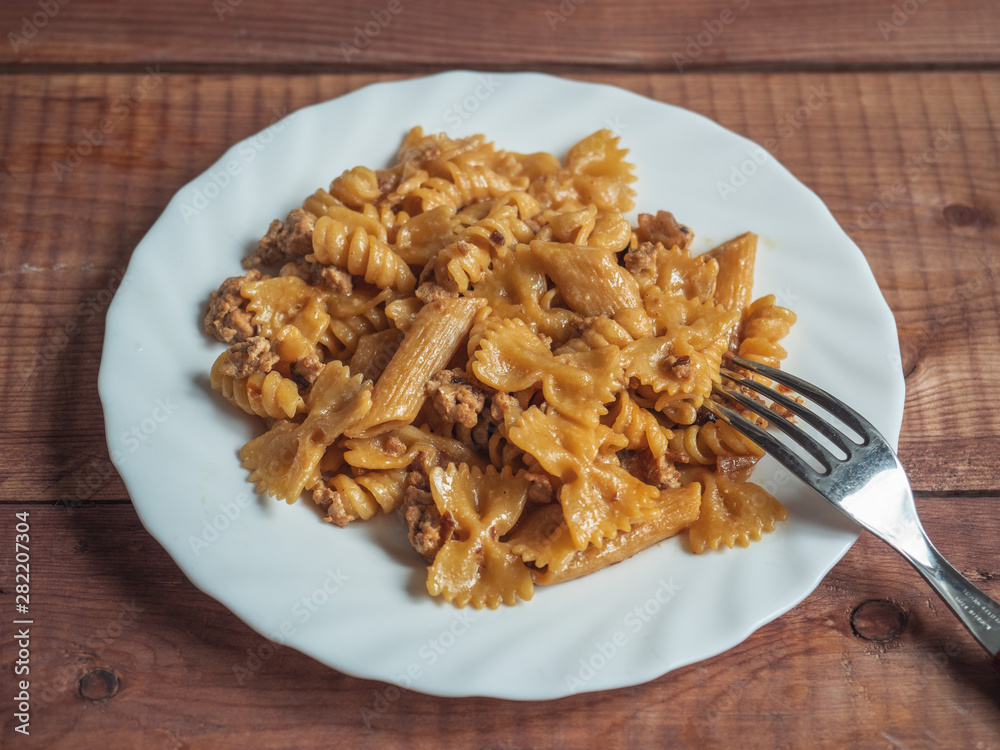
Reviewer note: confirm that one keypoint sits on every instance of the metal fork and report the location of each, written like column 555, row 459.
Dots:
column 869, row 485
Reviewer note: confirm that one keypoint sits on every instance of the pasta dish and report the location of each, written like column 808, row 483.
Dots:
column 481, row 341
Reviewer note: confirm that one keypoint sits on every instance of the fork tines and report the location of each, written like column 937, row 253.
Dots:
column 771, row 444
column 868, row 483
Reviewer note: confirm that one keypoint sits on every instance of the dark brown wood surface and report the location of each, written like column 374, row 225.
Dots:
column 405, row 34
column 127, row 653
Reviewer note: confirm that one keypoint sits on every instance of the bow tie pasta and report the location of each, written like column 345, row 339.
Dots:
column 482, row 342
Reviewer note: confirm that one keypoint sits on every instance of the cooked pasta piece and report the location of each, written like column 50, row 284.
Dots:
column 640, row 427
column 674, row 272
column 611, row 231
column 346, row 498
column 458, row 185
column 285, row 460
column 511, row 358
column 288, row 300
column 682, row 365
column 732, row 513
column 542, row 538
column 573, row 227
column 464, row 262
column 356, row 187
column 734, row 280
column 420, row 238
column 596, row 172
column 599, row 498
column 474, row 566
column 361, row 253
column 399, row 448
column 502, row 452
column 264, row 394
column 348, row 332
column 766, row 324
column 590, row 280
column 402, row 312
column 705, row 444
column 679, row 508
column 517, row 288
column 367, row 219
column 293, row 347
column 374, row 351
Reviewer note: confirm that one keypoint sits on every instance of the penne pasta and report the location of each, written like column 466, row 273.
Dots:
column 679, row 509
column 432, row 339
column 374, row 352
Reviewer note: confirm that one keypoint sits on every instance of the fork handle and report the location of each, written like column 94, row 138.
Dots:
column 979, row 613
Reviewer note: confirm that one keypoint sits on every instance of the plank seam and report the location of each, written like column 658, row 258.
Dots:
column 332, row 68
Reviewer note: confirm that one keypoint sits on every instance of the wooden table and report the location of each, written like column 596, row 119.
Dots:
column 108, row 108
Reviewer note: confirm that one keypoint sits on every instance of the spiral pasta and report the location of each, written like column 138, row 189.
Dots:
column 640, row 427
column 292, row 345
column 458, row 185
column 356, row 187
column 704, row 444
column 264, row 394
column 349, row 331
column 467, row 260
column 360, row 253
column 766, row 324
column 348, row 498
column 502, row 452
column 319, row 202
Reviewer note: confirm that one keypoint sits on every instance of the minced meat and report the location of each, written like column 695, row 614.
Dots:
column 428, row 530
column 337, row 511
column 663, row 228
column 431, row 292
column 306, row 370
column 455, row 398
column 642, row 260
column 284, row 241
column 227, row 318
column 659, row 472
column 247, row 357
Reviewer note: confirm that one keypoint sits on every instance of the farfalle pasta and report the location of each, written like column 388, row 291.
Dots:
column 482, row 342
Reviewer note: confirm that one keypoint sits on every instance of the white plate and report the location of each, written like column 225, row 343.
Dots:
column 354, row 598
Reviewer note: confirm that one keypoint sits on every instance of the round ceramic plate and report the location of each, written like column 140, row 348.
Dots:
column 355, row 598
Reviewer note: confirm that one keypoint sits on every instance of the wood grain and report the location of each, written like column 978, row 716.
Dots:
column 924, row 217
column 407, row 36
column 173, row 651
column 126, row 652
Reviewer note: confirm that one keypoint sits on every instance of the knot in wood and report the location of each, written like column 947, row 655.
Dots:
column 99, row 684
column 960, row 215
column 878, row 620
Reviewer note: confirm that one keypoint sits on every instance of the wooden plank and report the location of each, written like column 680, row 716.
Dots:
column 932, row 245
column 521, row 34
column 108, row 602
